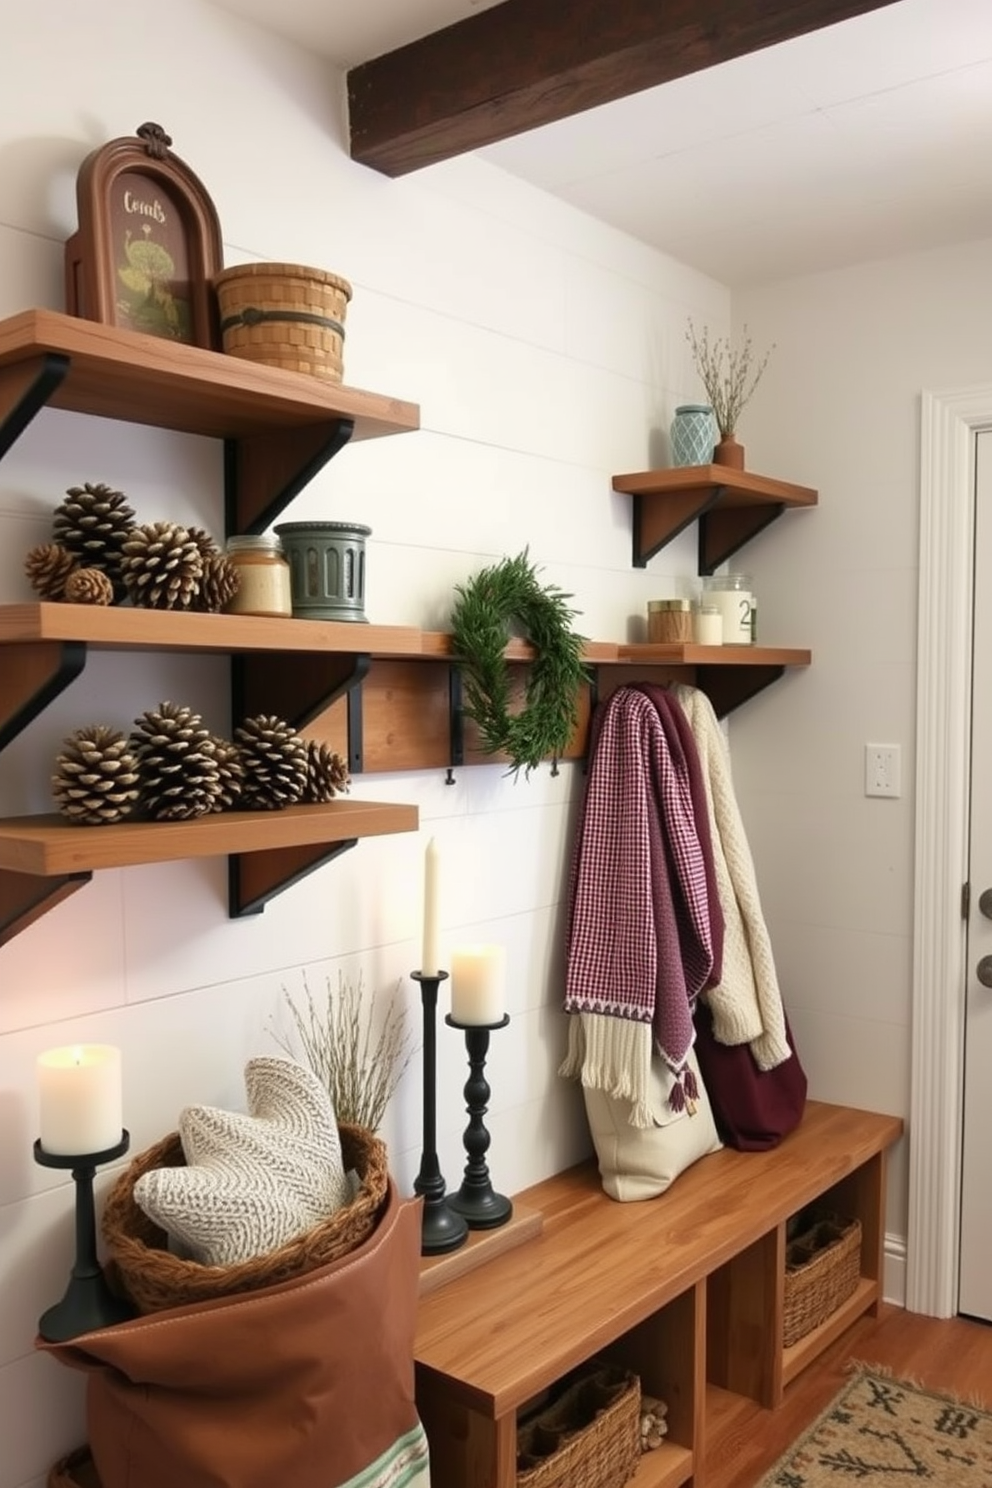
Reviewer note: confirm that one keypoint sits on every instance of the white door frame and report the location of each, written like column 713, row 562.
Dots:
column 943, row 726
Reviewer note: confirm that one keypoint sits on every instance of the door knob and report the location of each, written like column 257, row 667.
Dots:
column 985, row 903
column 983, row 971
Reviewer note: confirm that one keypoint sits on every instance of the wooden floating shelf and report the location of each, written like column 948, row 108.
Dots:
column 363, row 689
column 279, row 428
column 731, row 507
column 121, row 627
column 121, row 374
column 117, row 627
column 687, row 653
column 49, row 846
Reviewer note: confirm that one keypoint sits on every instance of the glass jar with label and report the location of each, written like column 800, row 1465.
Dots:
column 734, row 596
column 263, row 575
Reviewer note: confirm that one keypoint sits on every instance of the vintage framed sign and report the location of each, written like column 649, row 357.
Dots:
column 148, row 243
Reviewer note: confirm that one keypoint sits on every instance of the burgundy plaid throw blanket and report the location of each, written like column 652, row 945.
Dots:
column 639, row 941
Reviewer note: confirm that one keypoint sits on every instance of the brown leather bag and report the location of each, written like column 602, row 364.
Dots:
column 309, row 1382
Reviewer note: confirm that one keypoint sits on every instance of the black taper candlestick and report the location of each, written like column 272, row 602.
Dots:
column 88, row 1303
column 476, row 1201
column 441, row 1229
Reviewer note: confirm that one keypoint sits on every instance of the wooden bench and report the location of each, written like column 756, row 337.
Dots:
column 686, row 1289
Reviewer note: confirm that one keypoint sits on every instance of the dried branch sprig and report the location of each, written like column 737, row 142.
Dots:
column 360, row 1073
column 729, row 373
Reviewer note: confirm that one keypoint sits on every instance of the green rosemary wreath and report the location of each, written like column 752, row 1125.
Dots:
column 508, row 594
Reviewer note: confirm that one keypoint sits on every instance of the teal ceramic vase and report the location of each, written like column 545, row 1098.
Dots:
column 693, row 434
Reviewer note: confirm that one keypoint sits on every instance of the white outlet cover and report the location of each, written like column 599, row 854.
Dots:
column 883, row 770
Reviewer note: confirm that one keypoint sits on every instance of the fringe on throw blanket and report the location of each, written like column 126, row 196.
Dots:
column 609, row 1055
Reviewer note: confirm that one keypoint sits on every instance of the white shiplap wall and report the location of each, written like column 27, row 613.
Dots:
column 546, row 353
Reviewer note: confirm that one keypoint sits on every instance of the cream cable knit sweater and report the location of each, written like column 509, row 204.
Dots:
column 747, row 1005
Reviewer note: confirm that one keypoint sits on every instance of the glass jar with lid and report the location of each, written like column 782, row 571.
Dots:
column 734, row 595
column 669, row 620
column 263, row 575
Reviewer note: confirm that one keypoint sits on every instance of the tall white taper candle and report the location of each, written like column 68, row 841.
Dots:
column 432, row 871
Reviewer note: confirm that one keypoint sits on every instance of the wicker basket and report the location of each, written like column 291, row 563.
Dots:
column 284, row 315
column 589, row 1437
column 822, row 1267
column 75, row 1471
column 154, row 1279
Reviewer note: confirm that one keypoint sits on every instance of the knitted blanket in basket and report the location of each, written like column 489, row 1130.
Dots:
column 252, row 1181
column 639, row 944
column 746, row 1004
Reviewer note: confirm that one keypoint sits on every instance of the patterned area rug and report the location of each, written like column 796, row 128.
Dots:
column 880, row 1432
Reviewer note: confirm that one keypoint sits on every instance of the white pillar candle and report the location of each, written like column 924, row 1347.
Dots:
column 478, row 984
column 80, row 1099
column 432, row 869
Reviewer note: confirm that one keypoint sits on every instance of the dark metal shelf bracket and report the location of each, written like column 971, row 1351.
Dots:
column 50, row 667
column 250, row 886
column 25, row 897
column 285, row 474
column 724, row 531
column 51, row 375
column 654, row 526
column 456, row 716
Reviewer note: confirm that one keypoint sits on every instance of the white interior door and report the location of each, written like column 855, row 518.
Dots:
column 975, row 1287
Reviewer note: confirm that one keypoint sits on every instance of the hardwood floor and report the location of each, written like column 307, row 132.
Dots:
column 953, row 1356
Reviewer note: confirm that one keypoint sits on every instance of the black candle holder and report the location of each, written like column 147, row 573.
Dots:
column 441, row 1229
column 88, row 1303
column 479, row 1205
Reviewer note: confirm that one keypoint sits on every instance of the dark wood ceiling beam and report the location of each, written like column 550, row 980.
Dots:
column 525, row 63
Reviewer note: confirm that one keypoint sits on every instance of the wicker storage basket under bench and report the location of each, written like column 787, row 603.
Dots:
column 588, row 1436
column 822, row 1267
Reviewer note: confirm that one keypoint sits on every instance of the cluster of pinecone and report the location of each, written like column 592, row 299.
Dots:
column 173, row 768
column 100, row 555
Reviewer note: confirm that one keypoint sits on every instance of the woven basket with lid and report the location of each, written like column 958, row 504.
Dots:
column 154, row 1279
column 284, row 315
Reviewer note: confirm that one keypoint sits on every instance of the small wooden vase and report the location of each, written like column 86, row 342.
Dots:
column 729, row 452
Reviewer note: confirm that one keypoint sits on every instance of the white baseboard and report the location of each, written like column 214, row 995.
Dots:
column 894, row 1273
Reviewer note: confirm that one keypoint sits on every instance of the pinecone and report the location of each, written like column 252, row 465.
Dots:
column 327, row 772
column 48, row 566
column 177, row 763
column 275, row 762
column 96, row 777
column 93, row 522
column 162, row 566
column 88, row 586
column 207, row 544
column 231, row 772
column 218, row 584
